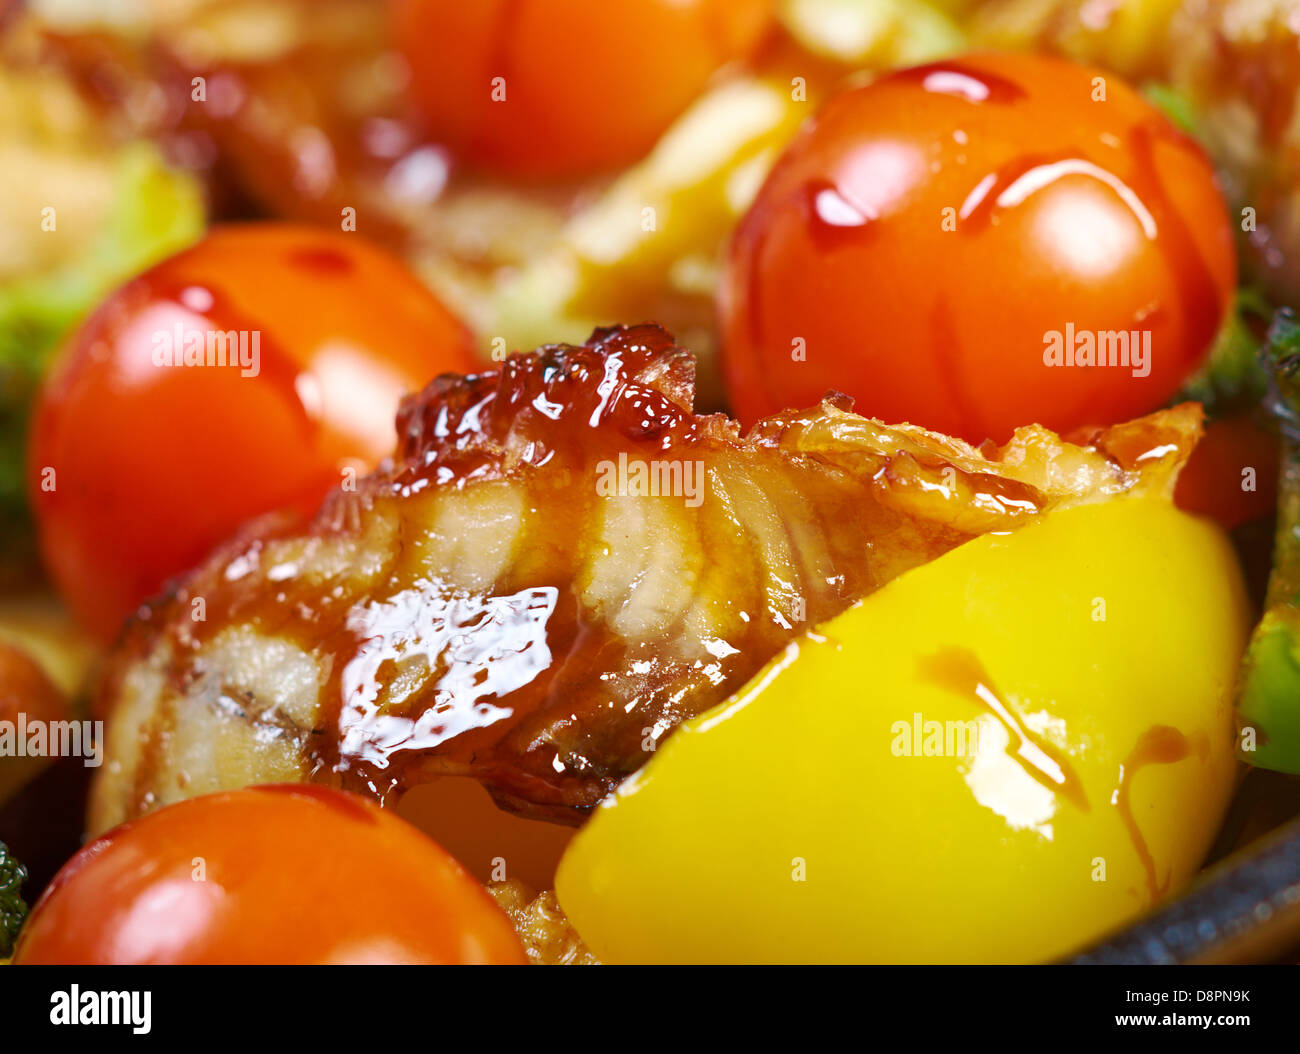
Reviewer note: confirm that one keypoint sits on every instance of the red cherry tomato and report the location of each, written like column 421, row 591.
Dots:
column 934, row 242
column 563, row 87
column 285, row 874
column 137, row 468
column 1231, row 476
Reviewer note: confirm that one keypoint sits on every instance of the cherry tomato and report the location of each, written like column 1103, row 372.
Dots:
column 947, row 242
column 1231, row 476
column 548, row 88
column 283, row 874
column 137, row 467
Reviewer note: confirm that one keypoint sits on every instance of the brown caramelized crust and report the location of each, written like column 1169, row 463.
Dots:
column 561, row 564
column 548, row 937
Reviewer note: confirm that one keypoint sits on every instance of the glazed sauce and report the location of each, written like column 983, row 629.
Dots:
column 1010, row 186
column 959, row 670
column 962, row 81
column 519, row 684
column 1158, row 745
column 833, row 220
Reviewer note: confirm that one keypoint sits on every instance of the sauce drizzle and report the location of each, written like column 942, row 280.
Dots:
column 1158, row 745
column 960, row 670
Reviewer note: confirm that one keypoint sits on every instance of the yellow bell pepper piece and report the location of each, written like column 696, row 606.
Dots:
column 998, row 757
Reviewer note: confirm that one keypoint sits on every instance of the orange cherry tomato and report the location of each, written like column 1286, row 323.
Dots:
column 284, row 874
column 138, row 466
column 945, row 243
column 548, row 88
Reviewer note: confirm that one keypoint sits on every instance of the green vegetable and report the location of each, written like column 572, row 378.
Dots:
column 155, row 211
column 1269, row 703
column 1173, row 104
column 13, row 909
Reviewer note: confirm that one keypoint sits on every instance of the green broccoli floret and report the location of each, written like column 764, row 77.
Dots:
column 13, row 909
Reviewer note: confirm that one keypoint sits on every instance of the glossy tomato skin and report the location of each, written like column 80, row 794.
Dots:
column 587, row 86
column 137, row 468
column 282, row 874
column 924, row 236
column 1213, row 483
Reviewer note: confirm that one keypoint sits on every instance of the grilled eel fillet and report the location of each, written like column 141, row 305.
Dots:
column 502, row 600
